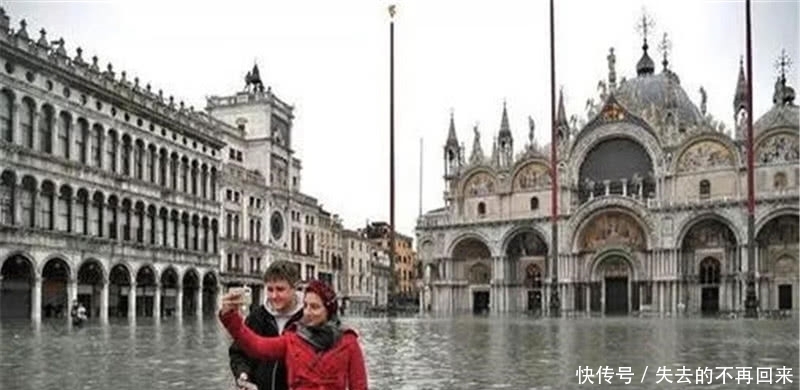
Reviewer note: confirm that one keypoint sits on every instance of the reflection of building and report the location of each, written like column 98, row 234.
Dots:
column 405, row 258
column 652, row 201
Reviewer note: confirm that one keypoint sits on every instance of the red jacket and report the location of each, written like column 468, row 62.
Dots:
column 339, row 368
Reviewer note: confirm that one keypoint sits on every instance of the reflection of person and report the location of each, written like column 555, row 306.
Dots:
column 282, row 308
column 319, row 353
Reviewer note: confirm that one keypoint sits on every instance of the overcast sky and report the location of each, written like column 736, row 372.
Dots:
column 331, row 60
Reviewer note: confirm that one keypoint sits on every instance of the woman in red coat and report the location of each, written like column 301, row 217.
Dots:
column 319, row 353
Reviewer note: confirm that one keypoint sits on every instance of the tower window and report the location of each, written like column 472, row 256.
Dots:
column 705, row 188
column 481, row 209
column 534, row 203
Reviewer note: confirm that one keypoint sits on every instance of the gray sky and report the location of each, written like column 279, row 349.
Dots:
column 331, row 60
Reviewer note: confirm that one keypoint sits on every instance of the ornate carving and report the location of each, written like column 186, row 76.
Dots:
column 709, row 234
column 532, row 176
column 480, row 273
column 479, row 184
column 786, row 266
column 612, row 112
column 613, row 267
column 779, row 148
column 612, row 228
column 704, row 155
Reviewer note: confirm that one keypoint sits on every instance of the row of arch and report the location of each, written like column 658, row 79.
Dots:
column 20, row 274
column 722, row 152
column 33, row 204
column 705, row 231
column 92, row 145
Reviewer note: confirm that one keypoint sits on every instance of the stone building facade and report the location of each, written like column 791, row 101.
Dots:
column 108, row 189
column 131, row 202
column 652, row 208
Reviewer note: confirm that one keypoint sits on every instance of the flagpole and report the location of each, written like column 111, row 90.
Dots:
column 751, row 300
column 392, row 281
column 555, row 303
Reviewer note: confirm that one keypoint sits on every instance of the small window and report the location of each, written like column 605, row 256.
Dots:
column 481, row 209
column 241, row 127
column 705, row 188
column 780, row 181
column 534, row 203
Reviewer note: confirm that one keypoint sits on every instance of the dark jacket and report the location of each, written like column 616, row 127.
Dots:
column 267, row 375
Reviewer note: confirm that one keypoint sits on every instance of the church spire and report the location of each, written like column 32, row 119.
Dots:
column 561, row 116
column 452, row 139
column 645, row 65
column 505, row 129
column 740, row 95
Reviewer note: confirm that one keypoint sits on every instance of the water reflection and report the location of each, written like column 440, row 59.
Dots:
column 433, row 353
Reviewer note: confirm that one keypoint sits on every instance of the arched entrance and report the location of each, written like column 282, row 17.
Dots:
column 169, row 292
column 191, row 285
column 614, row 235
column 145, row 291
column 709, row 258
column 209, row 293
column 119, row 286
column 778, row 243
column 472, row 263
column 90, row 286
column 55, row 298
column 709, row 278
column 16, row 284
column 615, row 274
column 526, row 255
column 480, row 274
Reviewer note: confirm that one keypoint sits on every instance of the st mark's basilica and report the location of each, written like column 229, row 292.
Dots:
column 652, row 207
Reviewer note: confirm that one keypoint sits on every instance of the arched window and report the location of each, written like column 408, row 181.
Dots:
column 63, row 128
column 705, row 188
column 111, row 150
column 534, row 203
column 481, row 209
column 46, row 130
column 709, row 271
column 6, row 115
column 780, row 181
column 81, row 138
column 96, row 146
column 26, row 113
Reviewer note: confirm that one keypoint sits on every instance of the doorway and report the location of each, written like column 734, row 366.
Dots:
column 480, row 302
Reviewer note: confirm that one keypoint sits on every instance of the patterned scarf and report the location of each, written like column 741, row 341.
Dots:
column 321, row 337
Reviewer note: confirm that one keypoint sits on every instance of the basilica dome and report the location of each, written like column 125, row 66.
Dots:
column 660, row 92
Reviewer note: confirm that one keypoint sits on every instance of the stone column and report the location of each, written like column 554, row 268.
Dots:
column 674, row 288
column 587, row 302
column 607, row 185
column 72, row 295
column 198, row 297
column 132, row 301
column 36, row 301
column 179, row 301
column 104, row 302
column 157, row 301
column 624, row 187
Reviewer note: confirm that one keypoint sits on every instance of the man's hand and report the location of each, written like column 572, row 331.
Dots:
column 244, row 384
column 233, row 300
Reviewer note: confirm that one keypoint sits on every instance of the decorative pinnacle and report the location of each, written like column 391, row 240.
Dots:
column 782, row 64
column 392, row 10
column 665, row 47
column 645, row 25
